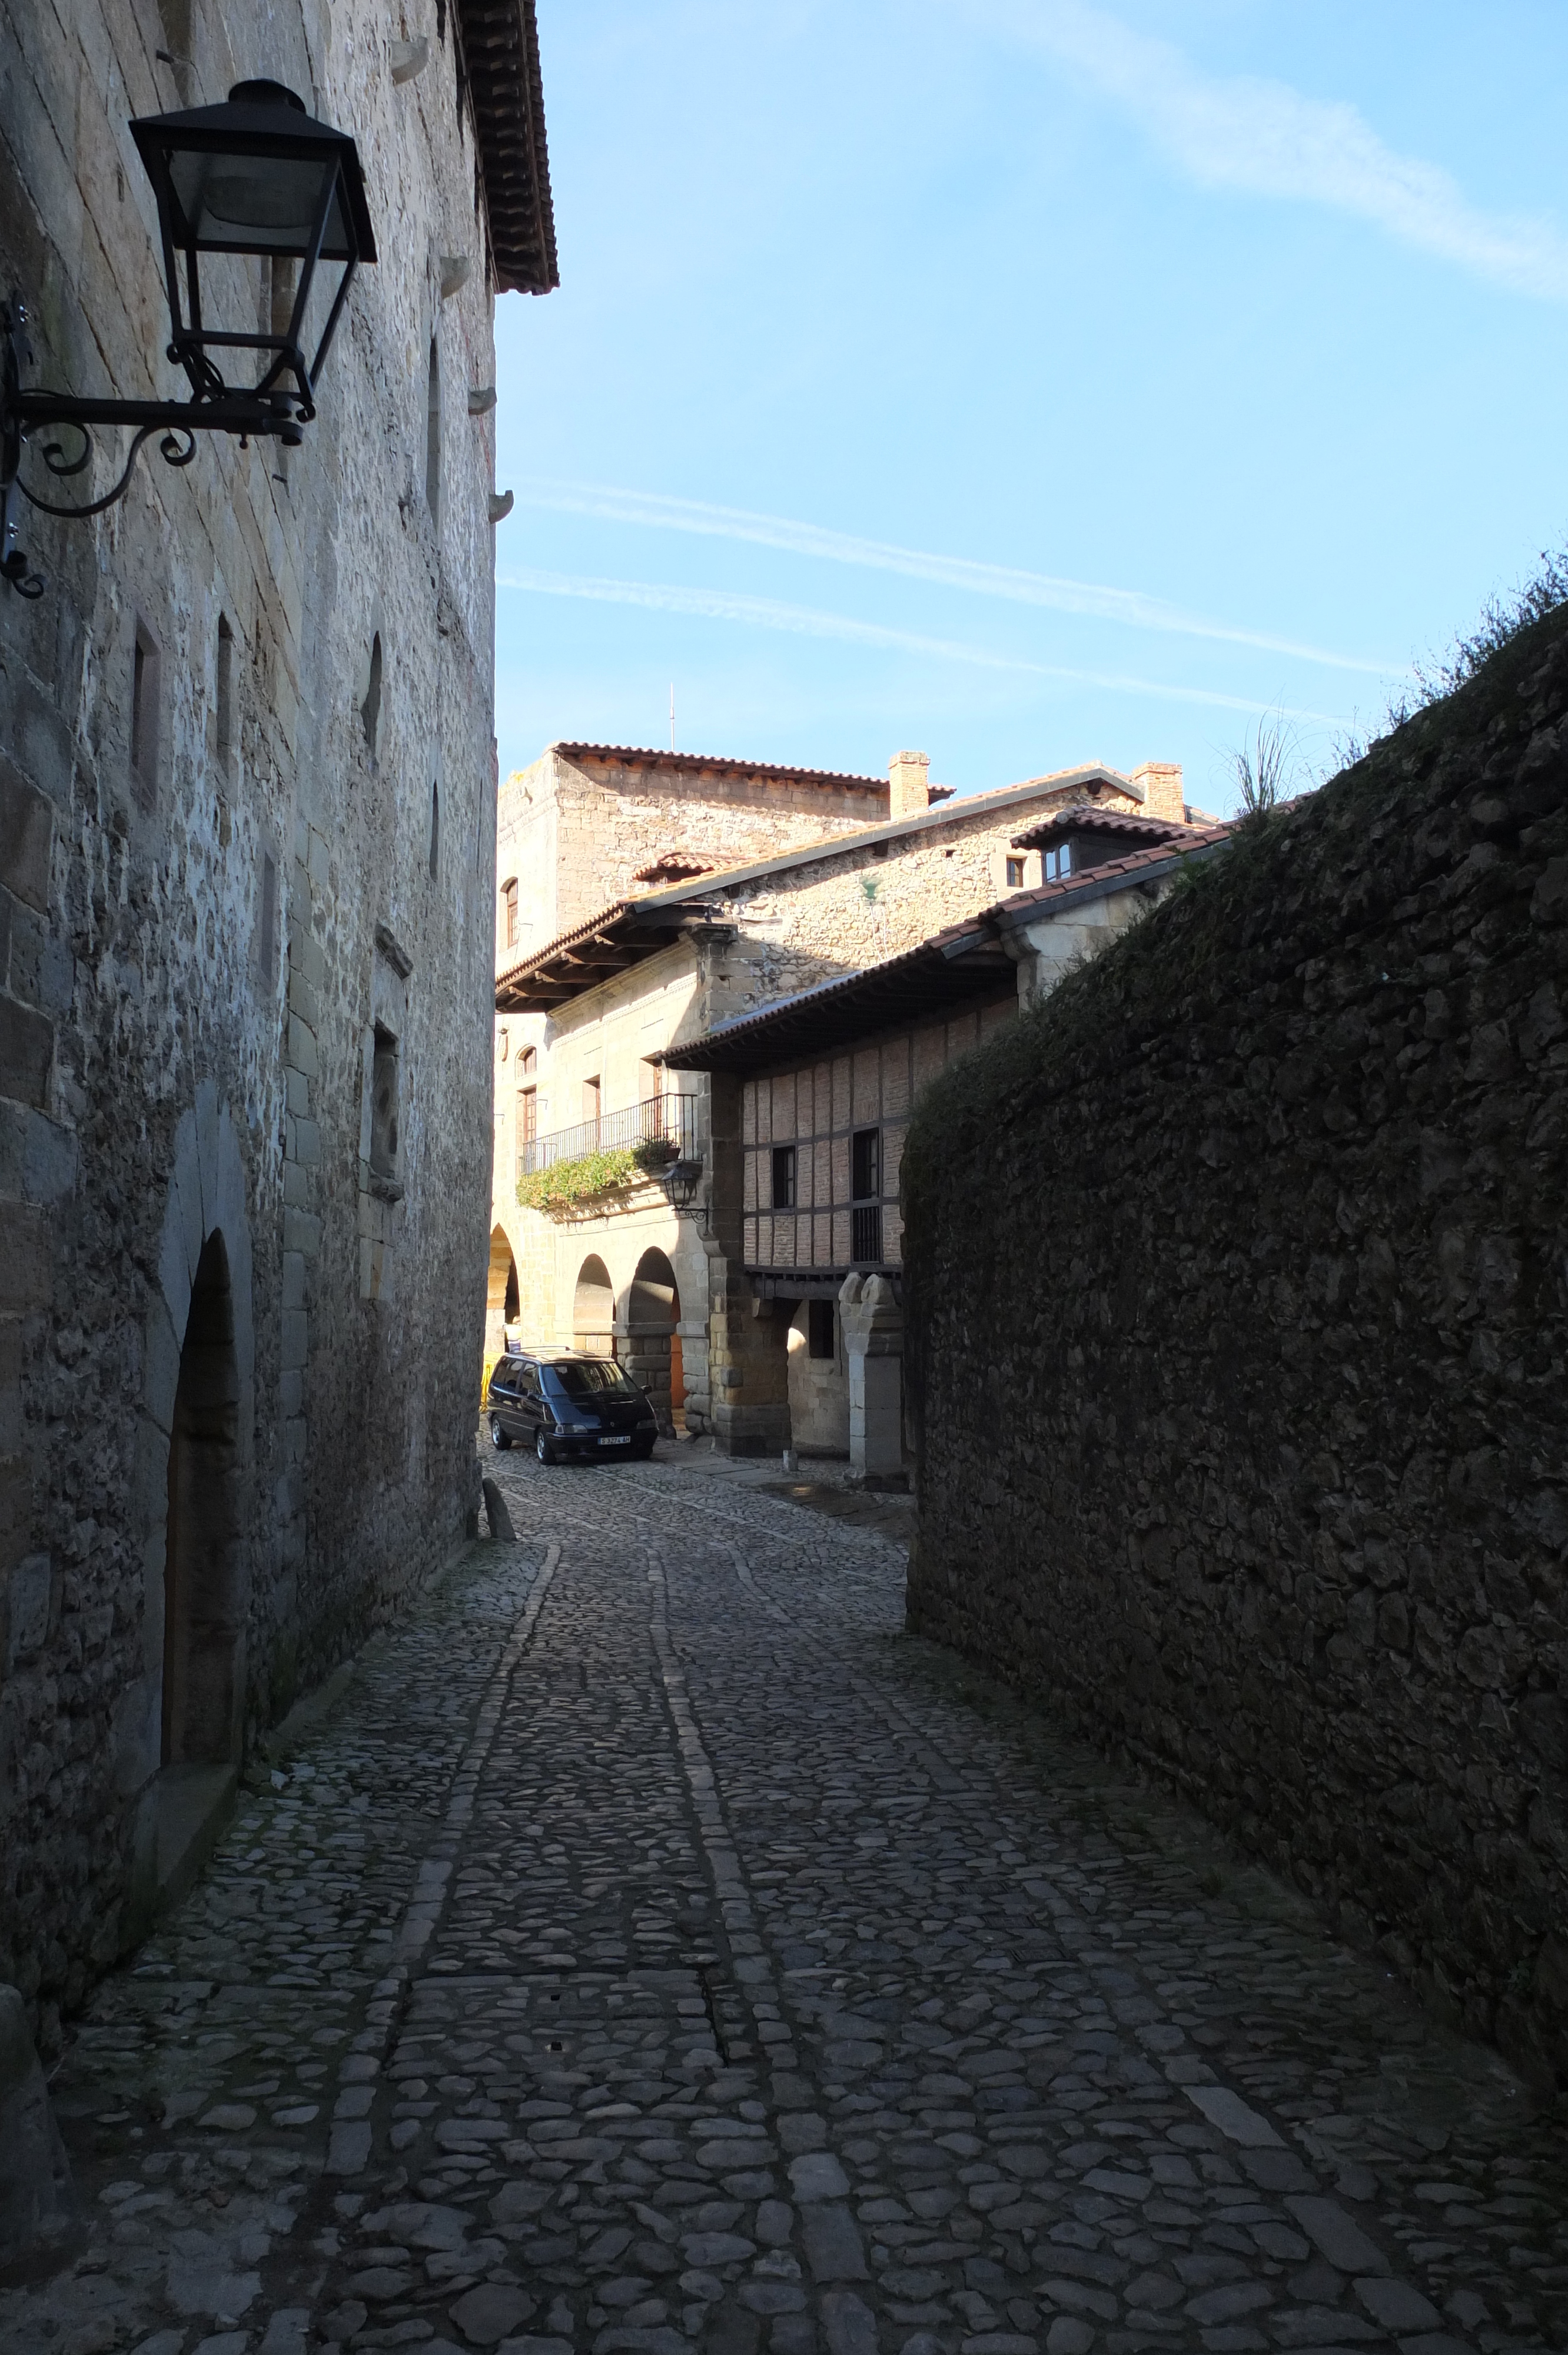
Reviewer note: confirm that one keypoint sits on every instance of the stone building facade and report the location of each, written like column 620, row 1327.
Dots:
column 599, row 1011
column 827, row 1084
column 1259, row 1473
column 247, row 824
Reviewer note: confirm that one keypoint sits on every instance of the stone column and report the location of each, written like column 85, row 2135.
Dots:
column 873, row 1338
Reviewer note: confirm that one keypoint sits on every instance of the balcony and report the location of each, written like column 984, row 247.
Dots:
column 669, row 1120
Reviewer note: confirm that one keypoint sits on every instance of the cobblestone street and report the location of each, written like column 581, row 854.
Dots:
column 648, row 1947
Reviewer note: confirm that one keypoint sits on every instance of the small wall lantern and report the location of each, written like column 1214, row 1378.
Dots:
column 256, row 176
column 680, row 1182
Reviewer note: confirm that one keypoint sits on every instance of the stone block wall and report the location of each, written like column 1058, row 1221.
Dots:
column 574, row 830
column 191, row 958
column 1238, row 1318
column 850, row 909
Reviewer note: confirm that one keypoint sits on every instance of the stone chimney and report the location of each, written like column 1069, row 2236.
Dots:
column 906, row 788
column 1162, row 782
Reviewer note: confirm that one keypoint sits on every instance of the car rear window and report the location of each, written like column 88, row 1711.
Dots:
column 592, row 1377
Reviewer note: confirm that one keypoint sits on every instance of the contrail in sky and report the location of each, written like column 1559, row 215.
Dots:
column 801, row 621
column 1128, row 607
column 1248, row 132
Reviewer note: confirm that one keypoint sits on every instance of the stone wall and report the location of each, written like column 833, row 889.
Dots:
column 196, row 951
column 575, row 830
column 837, row 914
column 1237, row 1292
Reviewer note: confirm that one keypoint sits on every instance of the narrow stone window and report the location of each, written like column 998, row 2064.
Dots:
column 783, row 1176
column 1014, row 874
column 527, row 1114
column 225, row 694
column 819, row 1328
column 509, row 913
column 370, row 709
column 384, row 1110
column 145, row 668
column 591, row 1098
column 433, row 434
column 434, row 831
column 267, row 920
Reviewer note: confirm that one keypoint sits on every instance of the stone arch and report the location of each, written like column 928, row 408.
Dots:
column 199, row 1344
column 593, row 1308
column 203, row 1579
column 501, row 1305
column 653, row 1349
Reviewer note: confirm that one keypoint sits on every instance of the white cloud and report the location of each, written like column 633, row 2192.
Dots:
column 1128, row 607
column 1244, row 131
column 803, row 620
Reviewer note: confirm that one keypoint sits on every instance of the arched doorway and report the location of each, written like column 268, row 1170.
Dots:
column 593, row 1309
column 202, row 1584
column 653, row 1342
column 501, row 1306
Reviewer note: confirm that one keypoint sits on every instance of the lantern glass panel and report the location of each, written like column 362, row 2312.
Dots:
column 255, row 204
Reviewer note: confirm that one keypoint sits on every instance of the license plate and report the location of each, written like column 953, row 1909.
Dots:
column 615, row 1442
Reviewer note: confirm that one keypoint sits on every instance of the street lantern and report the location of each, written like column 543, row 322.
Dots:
column 256, row 176
column 680, row 1181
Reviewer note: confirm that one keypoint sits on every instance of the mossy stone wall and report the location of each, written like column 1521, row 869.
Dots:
column 1237, row 1290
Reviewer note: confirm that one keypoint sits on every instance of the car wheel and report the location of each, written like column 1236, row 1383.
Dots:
column 642, row 1451
column 543, row 1448
column 498, row 1438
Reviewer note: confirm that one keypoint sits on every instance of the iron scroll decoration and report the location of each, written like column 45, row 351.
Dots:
column 256, row 176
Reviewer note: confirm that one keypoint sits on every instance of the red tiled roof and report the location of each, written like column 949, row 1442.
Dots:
column 1091, row 882
column 694, row 763
column 672, row 867
column 1091, row 817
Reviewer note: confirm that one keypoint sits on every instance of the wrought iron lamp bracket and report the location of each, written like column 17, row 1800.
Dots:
column 28, row 411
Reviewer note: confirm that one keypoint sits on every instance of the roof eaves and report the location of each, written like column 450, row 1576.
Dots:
column 941, row 948
column 499, row 42
column 1089, row 818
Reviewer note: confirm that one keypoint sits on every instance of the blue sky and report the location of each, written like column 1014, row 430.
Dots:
column 1027, row 381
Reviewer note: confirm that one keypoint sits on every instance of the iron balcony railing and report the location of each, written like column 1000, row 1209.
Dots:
column 668, row 1120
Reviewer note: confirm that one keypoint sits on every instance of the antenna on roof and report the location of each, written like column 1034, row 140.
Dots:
column 672, row 714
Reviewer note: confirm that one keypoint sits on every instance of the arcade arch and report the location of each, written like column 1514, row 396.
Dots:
column 500, row 1299
column 653, row 1348
column 593, row 1309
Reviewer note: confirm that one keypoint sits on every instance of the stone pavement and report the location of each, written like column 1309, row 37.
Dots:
column 652, row 1948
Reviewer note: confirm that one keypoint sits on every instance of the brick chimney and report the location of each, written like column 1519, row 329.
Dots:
column 1162, row 782
column 906, row 788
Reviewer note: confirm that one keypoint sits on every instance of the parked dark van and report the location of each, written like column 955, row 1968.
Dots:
column 567, row 1406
